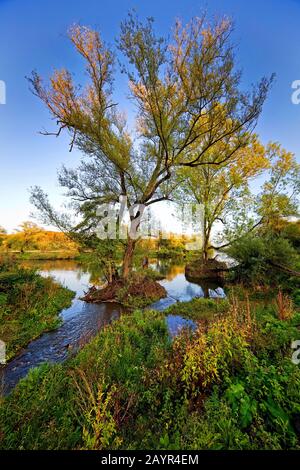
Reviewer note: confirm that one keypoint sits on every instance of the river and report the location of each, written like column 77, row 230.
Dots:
column 82, row 320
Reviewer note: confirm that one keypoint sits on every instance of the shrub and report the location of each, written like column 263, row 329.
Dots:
column 259, row 257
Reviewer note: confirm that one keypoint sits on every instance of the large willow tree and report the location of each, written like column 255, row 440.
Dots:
column 183, row 89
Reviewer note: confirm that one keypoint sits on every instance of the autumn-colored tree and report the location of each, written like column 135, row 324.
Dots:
column 225, row 194
column 31, row 237
column 184, row 90
column 280, row 193
column 220, row 189
column 27, row 234
column 277, row 201
column 3, row 233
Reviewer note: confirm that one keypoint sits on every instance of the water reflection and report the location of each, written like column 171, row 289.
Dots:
column 179, row 289
column 176, row 324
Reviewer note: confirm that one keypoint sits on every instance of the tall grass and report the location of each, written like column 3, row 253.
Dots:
column 229, row 385
column 29, row 305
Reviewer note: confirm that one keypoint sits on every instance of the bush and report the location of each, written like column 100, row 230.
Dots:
column 259, row 257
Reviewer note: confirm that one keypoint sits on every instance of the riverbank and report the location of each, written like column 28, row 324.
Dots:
column 29, row 306
column 41, row 255
column 230, row 385
column 226, row 382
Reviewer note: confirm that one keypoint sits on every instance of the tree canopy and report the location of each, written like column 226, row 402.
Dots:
column 225, row 192
column 190, row 112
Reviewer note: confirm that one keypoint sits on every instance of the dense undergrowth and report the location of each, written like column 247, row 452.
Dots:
column 230, row 385
column 29, row 305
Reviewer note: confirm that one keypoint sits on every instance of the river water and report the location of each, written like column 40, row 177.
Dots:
column 82, row 320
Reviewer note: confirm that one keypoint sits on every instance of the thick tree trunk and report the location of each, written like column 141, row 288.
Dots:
column 128, row 257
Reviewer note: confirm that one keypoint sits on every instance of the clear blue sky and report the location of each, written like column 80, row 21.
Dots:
column 33, row 36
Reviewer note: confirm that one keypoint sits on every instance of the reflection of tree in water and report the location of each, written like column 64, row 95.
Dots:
column 167, row 267
column 96, row 272
column 51, row 265
column 193, row 291
column 211, row 288
column 208, row 289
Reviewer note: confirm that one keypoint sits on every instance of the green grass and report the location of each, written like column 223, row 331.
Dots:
column 199, row 309
column 41, row 255
column 29, row 306
column 48, row 255
column 231, row 385
column 57, row 406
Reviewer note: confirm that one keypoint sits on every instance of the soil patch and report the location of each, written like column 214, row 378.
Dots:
column 137, row 291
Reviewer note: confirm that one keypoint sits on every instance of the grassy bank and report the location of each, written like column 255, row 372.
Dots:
column 231, row 385
column 29, row 305
column 199, row 309
column 41, row 255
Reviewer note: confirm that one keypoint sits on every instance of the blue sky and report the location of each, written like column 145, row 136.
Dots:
column 33, row 36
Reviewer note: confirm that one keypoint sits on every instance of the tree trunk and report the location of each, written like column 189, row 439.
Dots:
column 206, row 234
column 205, row 248
column 109, row 273
column 128, row 257
column 112, row 273
column 205, row 254
column 131, row 242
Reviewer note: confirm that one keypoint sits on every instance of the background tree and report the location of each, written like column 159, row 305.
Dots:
column 31, row 237
column 3, row 234
column 183, row 90
column 264, row 260
column 269, row 254
column 278, row 199
column 291, row 231
column 215, row 187
column 27, row 235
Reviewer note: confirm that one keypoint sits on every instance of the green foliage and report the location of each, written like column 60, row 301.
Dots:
column 296, row 297
column 291, row 231
column 231, row 385
column 260, row 258
column 58, row 406
column 30, row 238
column 48, row 255
column 29, row 305
column 198, row 309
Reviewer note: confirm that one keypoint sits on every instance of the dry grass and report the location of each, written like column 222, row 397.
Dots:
column 284, row 306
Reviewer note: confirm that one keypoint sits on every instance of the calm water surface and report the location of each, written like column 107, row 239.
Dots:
column 82, row 320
